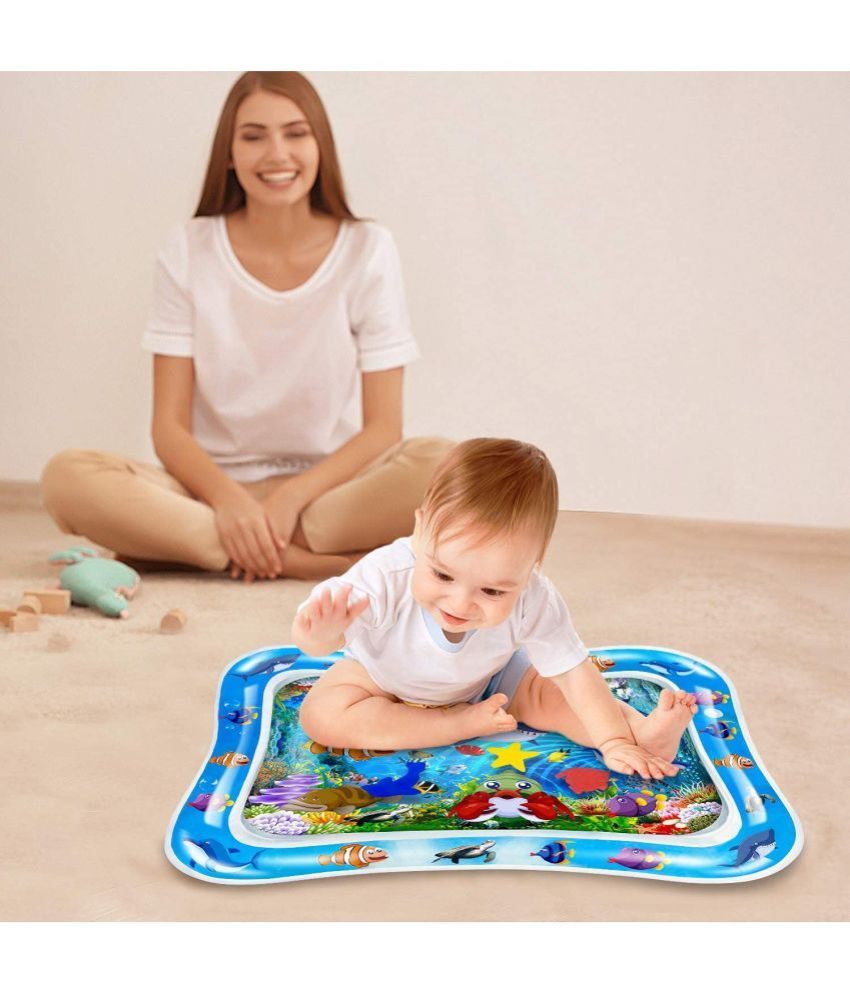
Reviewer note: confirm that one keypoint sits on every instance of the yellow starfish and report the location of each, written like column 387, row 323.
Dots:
column 511, row 756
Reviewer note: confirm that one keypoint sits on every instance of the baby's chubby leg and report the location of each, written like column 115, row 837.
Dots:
column 346, row 708
column 539, row 703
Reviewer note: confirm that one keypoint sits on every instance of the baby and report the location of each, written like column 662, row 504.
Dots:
column 454, row 633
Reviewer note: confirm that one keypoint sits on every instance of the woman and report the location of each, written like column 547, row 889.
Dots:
column 279, row 332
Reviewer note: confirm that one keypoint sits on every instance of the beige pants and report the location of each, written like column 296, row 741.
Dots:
column 141, row 511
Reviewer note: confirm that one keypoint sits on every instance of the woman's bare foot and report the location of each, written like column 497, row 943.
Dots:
column 662, row 730
column 486, row 717
column 302, row 564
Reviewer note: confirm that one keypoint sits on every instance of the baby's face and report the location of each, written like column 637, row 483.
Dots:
column 465, row 582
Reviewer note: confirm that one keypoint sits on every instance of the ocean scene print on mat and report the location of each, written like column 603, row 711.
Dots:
column 500, row 783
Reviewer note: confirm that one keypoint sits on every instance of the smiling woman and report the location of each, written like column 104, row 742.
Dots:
column 279, row 332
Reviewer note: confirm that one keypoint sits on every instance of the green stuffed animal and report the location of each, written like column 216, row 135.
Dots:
column 98, row 583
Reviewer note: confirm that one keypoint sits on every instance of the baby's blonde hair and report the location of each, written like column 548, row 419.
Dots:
column 495, row 485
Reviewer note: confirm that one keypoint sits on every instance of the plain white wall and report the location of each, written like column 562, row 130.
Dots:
column 644, row 273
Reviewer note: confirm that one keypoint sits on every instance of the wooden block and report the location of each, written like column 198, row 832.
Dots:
column 23, row 622
column 172, row 621
column 6, row 615
column 54, row 602
column 31, row 604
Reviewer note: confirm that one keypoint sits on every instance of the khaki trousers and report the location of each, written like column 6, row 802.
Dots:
column 140, row 511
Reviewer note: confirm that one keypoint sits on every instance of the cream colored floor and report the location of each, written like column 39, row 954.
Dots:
column 99, row 742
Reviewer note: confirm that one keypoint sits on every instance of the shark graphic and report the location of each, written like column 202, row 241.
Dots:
column 754, row 847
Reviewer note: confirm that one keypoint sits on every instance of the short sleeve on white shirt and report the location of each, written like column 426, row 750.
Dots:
column 546, row 629
column 169, row 330
column 379, row 318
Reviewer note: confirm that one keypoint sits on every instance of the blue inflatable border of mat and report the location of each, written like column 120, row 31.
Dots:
column 216, row 846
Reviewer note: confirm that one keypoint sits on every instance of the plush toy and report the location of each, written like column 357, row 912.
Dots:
column 102, row 584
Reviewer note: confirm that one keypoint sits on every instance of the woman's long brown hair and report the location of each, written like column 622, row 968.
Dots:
column 222, row 192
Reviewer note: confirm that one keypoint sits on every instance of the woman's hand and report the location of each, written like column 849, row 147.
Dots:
column 320, row 625
column 249, row 537
column 283, row 508
column 629, row 758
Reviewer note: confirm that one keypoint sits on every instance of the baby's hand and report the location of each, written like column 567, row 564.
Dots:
column 323, row 621
column 629, row 758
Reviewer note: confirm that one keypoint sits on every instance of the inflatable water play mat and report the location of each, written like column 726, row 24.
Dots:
column 269, row 804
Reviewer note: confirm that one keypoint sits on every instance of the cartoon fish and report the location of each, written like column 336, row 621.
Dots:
column 735, row 761
column 705, row 697
column 240, row 716
column 419, row 754
column 470, row 750
column 556, row 756
column 301, row 688
column 638, row 859
column 468, row 852
column 341, row 800
column 602, row 663
column 634, row 803
column 428, row 788
column 584, row 779
column 555, row 853
column 722, row 730
column 352, row 753
column 354, row 855
column 753, row 848
column 230, row 759
column 211, row 800
column 456, row 769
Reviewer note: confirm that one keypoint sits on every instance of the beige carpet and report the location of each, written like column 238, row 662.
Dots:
column 100, row 741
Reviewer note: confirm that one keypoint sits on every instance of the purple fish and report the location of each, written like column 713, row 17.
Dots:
column 638, row 859
column 207, row 798
column 202, row 801
column 632, row 803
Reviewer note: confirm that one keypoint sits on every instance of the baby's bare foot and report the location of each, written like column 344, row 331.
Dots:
column 663, row 728
column 487, row 717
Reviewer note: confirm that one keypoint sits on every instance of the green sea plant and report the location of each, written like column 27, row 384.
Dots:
column 252, row 810
column 702, row 822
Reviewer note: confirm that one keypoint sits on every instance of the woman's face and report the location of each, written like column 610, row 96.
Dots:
column 274, row 152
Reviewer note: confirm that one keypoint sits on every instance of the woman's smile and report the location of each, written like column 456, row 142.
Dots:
column 280, row 179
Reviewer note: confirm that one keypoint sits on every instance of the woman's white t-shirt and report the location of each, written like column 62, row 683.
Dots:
column 277, row 373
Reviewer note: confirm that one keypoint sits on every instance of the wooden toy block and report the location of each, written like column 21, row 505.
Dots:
column 23, row 622
column 30, row 603
column 6, row 615
column 173, row 621
column 55, row 602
